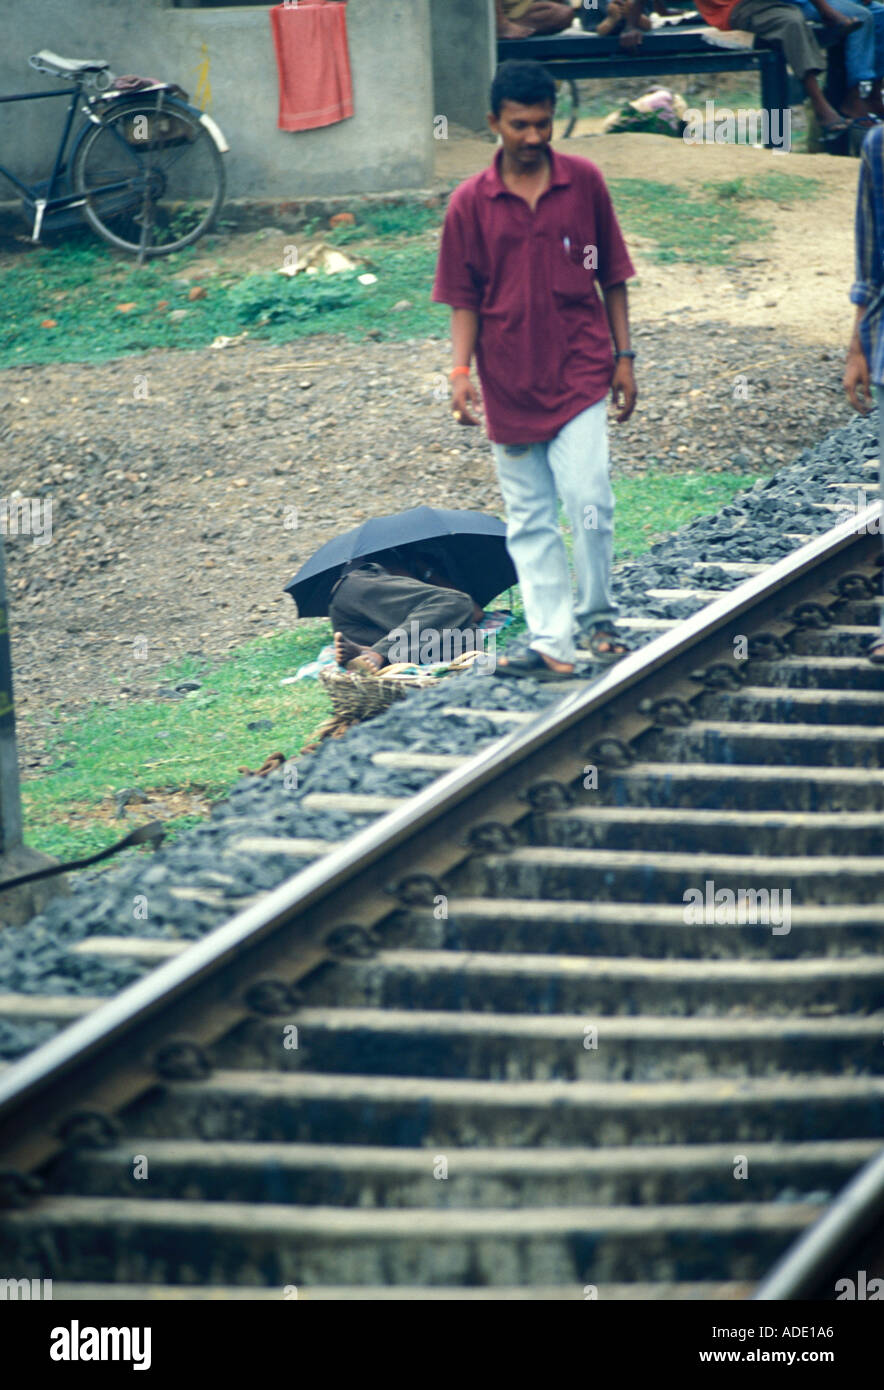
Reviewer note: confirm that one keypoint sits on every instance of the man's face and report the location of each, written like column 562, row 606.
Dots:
column 525, row 131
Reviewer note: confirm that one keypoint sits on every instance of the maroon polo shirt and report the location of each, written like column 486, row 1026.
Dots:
column 544, row 349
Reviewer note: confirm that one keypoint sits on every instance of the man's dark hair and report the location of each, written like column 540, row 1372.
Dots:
column 526, row 82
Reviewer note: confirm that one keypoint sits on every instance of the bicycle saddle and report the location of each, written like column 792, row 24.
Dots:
column 47, row 61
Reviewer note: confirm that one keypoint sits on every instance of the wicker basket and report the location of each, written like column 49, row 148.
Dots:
column 355, row 696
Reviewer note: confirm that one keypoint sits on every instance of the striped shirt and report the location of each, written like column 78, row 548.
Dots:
column 868, row 287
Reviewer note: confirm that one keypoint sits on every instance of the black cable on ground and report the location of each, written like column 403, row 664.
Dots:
column 153, row 830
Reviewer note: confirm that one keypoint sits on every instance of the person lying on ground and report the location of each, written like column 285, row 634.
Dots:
column 393, row 608
column 526, row 247
column 781, row 22
column 865, row 353
column 521, row 19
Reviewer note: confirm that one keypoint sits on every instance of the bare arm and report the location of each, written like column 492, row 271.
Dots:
column 623, row 388
column 617, row 309
column 856, row 369
column 464, row 332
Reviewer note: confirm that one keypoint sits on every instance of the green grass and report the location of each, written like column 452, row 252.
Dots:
column 194, row 744
column 197, row 744
column 651, row 507
column 79, row 283
column 703, row 229
column 707, row 228
column 774, row 187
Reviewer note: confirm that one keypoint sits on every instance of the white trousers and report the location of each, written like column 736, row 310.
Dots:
column 573, row 467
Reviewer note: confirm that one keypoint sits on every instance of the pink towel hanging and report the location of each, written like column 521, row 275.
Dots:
column 315, row 83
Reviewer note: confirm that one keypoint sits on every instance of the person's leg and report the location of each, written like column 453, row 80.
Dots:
column 350, row 610
column 548, row 17
column 374, row 614
column 876, row 651
column 780, row 22
column 507, row 28
column 535, row 544
column 859, row 55
column 875, row 101
column 578, row 457
column 615, row 16
column 420, row 634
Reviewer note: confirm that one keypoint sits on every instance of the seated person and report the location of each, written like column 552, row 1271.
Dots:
column 782, row 22
column 863, row 54
column 376, row 600
column 520, row 19
column 618, row 16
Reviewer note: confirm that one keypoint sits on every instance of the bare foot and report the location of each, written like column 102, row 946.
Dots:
column 563, row 667
column 841, row 21
column 508, row 30
column 828, row 117
column 354, row 657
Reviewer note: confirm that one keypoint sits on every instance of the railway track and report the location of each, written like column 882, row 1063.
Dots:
column 507, row 1042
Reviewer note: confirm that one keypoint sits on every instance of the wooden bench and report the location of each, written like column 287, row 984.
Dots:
column 575, row 54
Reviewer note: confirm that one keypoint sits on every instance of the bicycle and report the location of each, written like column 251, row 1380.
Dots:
column 137, row 163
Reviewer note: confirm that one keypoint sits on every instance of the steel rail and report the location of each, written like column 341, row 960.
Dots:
column 200, row 992
column 849, row 1224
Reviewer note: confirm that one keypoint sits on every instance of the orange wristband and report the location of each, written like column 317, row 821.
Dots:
column 459, row 371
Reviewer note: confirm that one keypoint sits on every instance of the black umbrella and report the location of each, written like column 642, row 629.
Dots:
column 470, row 545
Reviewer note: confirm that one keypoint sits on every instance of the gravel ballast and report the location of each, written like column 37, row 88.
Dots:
column 36, row 959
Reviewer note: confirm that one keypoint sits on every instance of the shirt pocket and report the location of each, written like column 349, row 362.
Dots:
column 573, row 273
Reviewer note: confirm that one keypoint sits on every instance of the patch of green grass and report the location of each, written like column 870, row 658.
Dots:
column 79, row 285
column 774, row 187
column 190, row 745
column 386, row 220
column 685, row 227
column 197, row 744
column 652, row 506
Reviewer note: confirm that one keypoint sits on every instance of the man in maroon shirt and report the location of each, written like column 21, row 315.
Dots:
column 524, row 247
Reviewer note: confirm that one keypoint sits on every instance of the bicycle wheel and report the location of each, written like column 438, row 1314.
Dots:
column 152, row 177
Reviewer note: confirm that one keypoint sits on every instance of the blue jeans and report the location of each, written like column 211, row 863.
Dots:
column 877, row 10
column 864, row 48
column 879, row 396
column 573, row 465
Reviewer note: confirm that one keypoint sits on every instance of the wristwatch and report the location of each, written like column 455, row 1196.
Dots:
column 627, row 352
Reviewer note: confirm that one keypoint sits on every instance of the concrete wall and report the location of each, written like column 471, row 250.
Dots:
column 464, row 38
column 388, row 144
